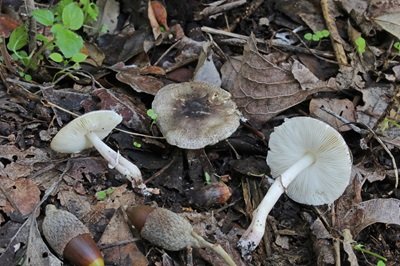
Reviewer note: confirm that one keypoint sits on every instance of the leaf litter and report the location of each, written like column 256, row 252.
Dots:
column 267, row 82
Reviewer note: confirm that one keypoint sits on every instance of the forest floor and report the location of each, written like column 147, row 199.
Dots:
column 336, row 61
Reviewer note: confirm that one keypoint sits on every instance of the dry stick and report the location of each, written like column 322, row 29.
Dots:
column 363, row 131
column 212, row 10
column 30, row 6
column 334, row 34
column 242, row 39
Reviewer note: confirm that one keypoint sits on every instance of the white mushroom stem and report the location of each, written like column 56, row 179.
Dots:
column 114, row 159
column 255, row 232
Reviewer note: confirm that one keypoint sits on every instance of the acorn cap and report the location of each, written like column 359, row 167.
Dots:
column 192, row 115
column 327, row 178
column 164, row 228
column 60, row 227
column 71, row 138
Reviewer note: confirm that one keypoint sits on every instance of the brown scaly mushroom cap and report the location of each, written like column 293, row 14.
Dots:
column 192, row 115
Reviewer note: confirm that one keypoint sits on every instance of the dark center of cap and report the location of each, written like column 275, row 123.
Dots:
column 195, row 107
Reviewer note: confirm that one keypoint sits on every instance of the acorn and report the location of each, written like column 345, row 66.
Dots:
column 70, row 238
column 211, row 195
column 168, row 230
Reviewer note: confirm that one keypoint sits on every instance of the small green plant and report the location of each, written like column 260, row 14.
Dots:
column 316, row 36
column 103, row 194
column 360, row 45
column 63, row 44
column 152, row 115
column 137, row 144
column 396, row 45
column 207, row 178
column 381, row 260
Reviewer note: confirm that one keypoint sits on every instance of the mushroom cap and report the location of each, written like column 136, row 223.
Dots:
column 71, row 138
column 327, row 178
column 192, row 115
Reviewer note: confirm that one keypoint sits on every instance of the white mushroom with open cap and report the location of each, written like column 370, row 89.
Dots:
column 312, row 164
column 87, row 131
column 192, row 115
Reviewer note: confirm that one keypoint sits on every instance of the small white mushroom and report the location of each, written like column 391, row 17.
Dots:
column 192, row 115
column 87, row 131
column 312, row 164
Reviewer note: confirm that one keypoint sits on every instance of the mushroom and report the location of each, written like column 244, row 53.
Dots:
column 192, row 115
column 87, row 131
column 312, row 164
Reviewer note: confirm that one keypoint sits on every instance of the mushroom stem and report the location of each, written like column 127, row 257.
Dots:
column 255, row 232
column 121, row 164
column 215, row 247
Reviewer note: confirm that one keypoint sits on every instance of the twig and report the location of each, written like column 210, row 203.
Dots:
column 334, row 34
column 211, row 10
column 242, row 40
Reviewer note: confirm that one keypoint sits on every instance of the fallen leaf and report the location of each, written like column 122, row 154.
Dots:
column 390, row 23
column 16, row 163
column 385, row 211
column 376, row 101
column 134, row 115
column 37, row 252
column 25, row 195
column 7, row 25
column 341, row 107
column 118, row 244
column 160, row 13
column 205, row 70
column 107, row 21
column 139, row 80
column 268, row 85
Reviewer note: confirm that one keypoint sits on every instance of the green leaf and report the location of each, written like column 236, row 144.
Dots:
column 18, row 39
column 137, row 144
column 397, row 45
column 308, row 36
column 90, row 9
column 315, row 38
column 152, row 114
column 28, row 77
column 72, row 16
column 61, row 5
column 43, row 16
column 78, row 58
column 360, row 45
column 101, row 195
column 319, row 34
column 67, row 41
column 381, row 263
column 325, row 33
column 56, row 57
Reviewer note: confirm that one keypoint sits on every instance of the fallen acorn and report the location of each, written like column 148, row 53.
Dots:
column 70, row 238
column 170, row 231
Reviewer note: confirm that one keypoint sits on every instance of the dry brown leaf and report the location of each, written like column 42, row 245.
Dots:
column 134, row 114
column 341, row 107
column 390, row 23
column 385, row 211
column 376, row 101
column 16, row 163
column 120, row 246
column 160, row 13
column 37, row 252
column 139, row 81
column 7, row 25
column 24, row 194
column 268, row 85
